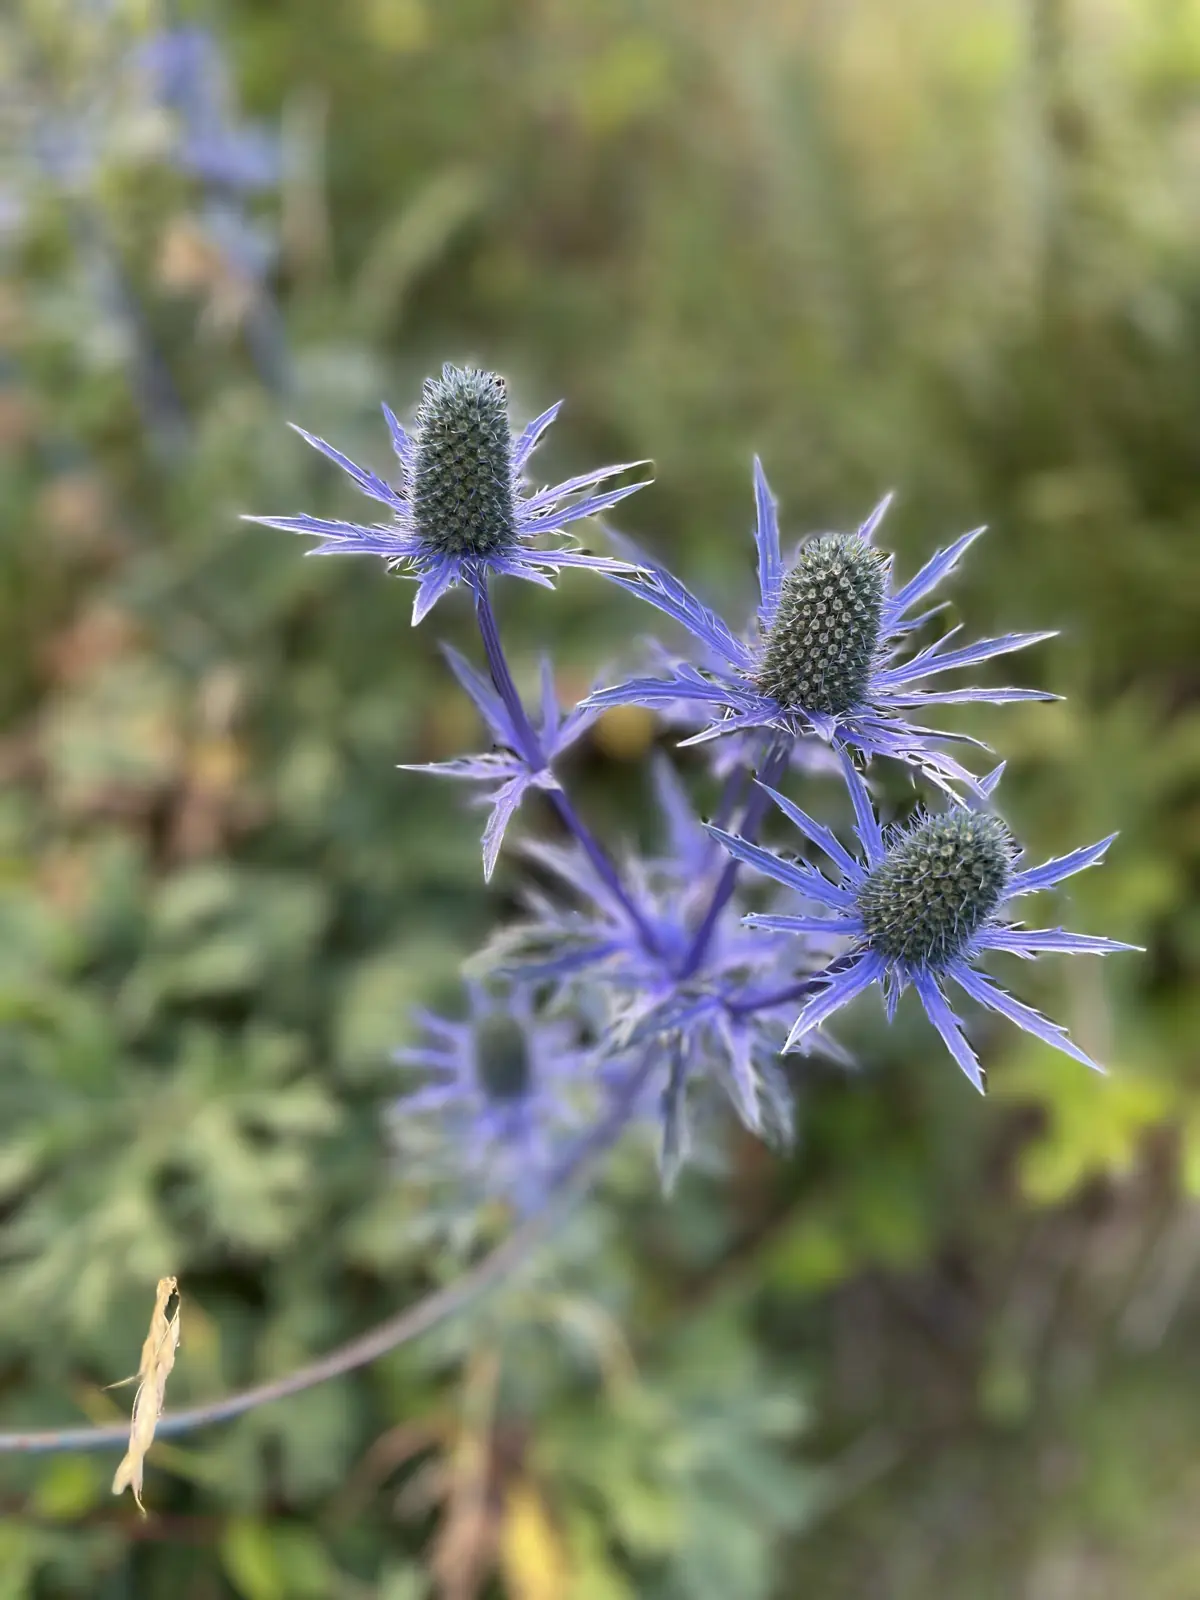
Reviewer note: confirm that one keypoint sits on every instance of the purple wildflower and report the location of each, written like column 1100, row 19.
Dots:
column 461, row 510
column 686, row 990
column 188, row 76
column 822, row 656
column 921, row 909
column 503, row 1089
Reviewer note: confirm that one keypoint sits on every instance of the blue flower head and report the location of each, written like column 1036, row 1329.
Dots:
column 461, row 510
column 696, row 992
column 503, row 1090
column 823, row 655
column 921, row 908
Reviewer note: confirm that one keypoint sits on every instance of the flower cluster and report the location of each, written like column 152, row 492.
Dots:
column 708, row 958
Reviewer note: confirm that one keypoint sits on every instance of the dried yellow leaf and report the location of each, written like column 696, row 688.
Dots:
column 532, row 1556
column 158, row 1357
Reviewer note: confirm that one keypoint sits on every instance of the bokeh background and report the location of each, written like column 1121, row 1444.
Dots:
column 952, row 250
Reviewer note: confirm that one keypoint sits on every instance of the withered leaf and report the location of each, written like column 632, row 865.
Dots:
column 158, row 1357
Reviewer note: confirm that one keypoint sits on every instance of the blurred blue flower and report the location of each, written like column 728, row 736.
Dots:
column 504, row 1092
column 187, row 75
column 460, row 511
column 921, row 909
column 509, row 771
column 691, row 989
column 822, row 656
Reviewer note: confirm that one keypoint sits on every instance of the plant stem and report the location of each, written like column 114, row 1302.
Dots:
column 774, row 762
column 400, row 1329
column 535, row 757
column 796, row 990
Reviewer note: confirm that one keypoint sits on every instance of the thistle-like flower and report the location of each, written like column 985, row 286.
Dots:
column 823, row 654
column 922, row 907
column 504, row 1090
column 689, row 994
column 461, row 510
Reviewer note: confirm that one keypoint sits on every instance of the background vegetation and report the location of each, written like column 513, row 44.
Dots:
column 950, row 249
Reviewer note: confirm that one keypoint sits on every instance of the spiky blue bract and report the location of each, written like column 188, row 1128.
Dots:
column 511, row 770
column 919, row 908
column 460, row 507
column 504, row 1092
column 824, row 655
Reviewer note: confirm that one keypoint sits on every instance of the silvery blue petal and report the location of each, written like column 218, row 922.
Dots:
column 548, row 500
column 823, row 837
column 530, row 436
column 792, row 874
column 927, row 664
column 504, row 803
column 1030, row 942
column 947, row 1024
column 766, row 538
column 401, row 443
column 866, row 823
column 431, row 586
column 1054, row 871
column 859, row 974
column 781, row 923
column 369, row 482
column 988, row 994
column 931, row 574
column 491, row 707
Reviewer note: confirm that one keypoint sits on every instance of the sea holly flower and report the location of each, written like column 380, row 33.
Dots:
column 823, row 655
column 685, row 993
column 512, row 769
column 503, row 1089
column 922, row 907
column 461, row 510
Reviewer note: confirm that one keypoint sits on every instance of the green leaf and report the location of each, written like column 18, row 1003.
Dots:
column 69, row 1487
column 252, row 1559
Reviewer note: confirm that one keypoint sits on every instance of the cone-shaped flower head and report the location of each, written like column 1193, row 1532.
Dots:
column 503, row 1091
column 460, row 509
column 821, row 645
column 462, row 475
column 921, row 909
column 939, row 884
column 503, row 1070
column 824, row 654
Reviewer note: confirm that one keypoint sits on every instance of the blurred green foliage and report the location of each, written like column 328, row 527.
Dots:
column 951, row 249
